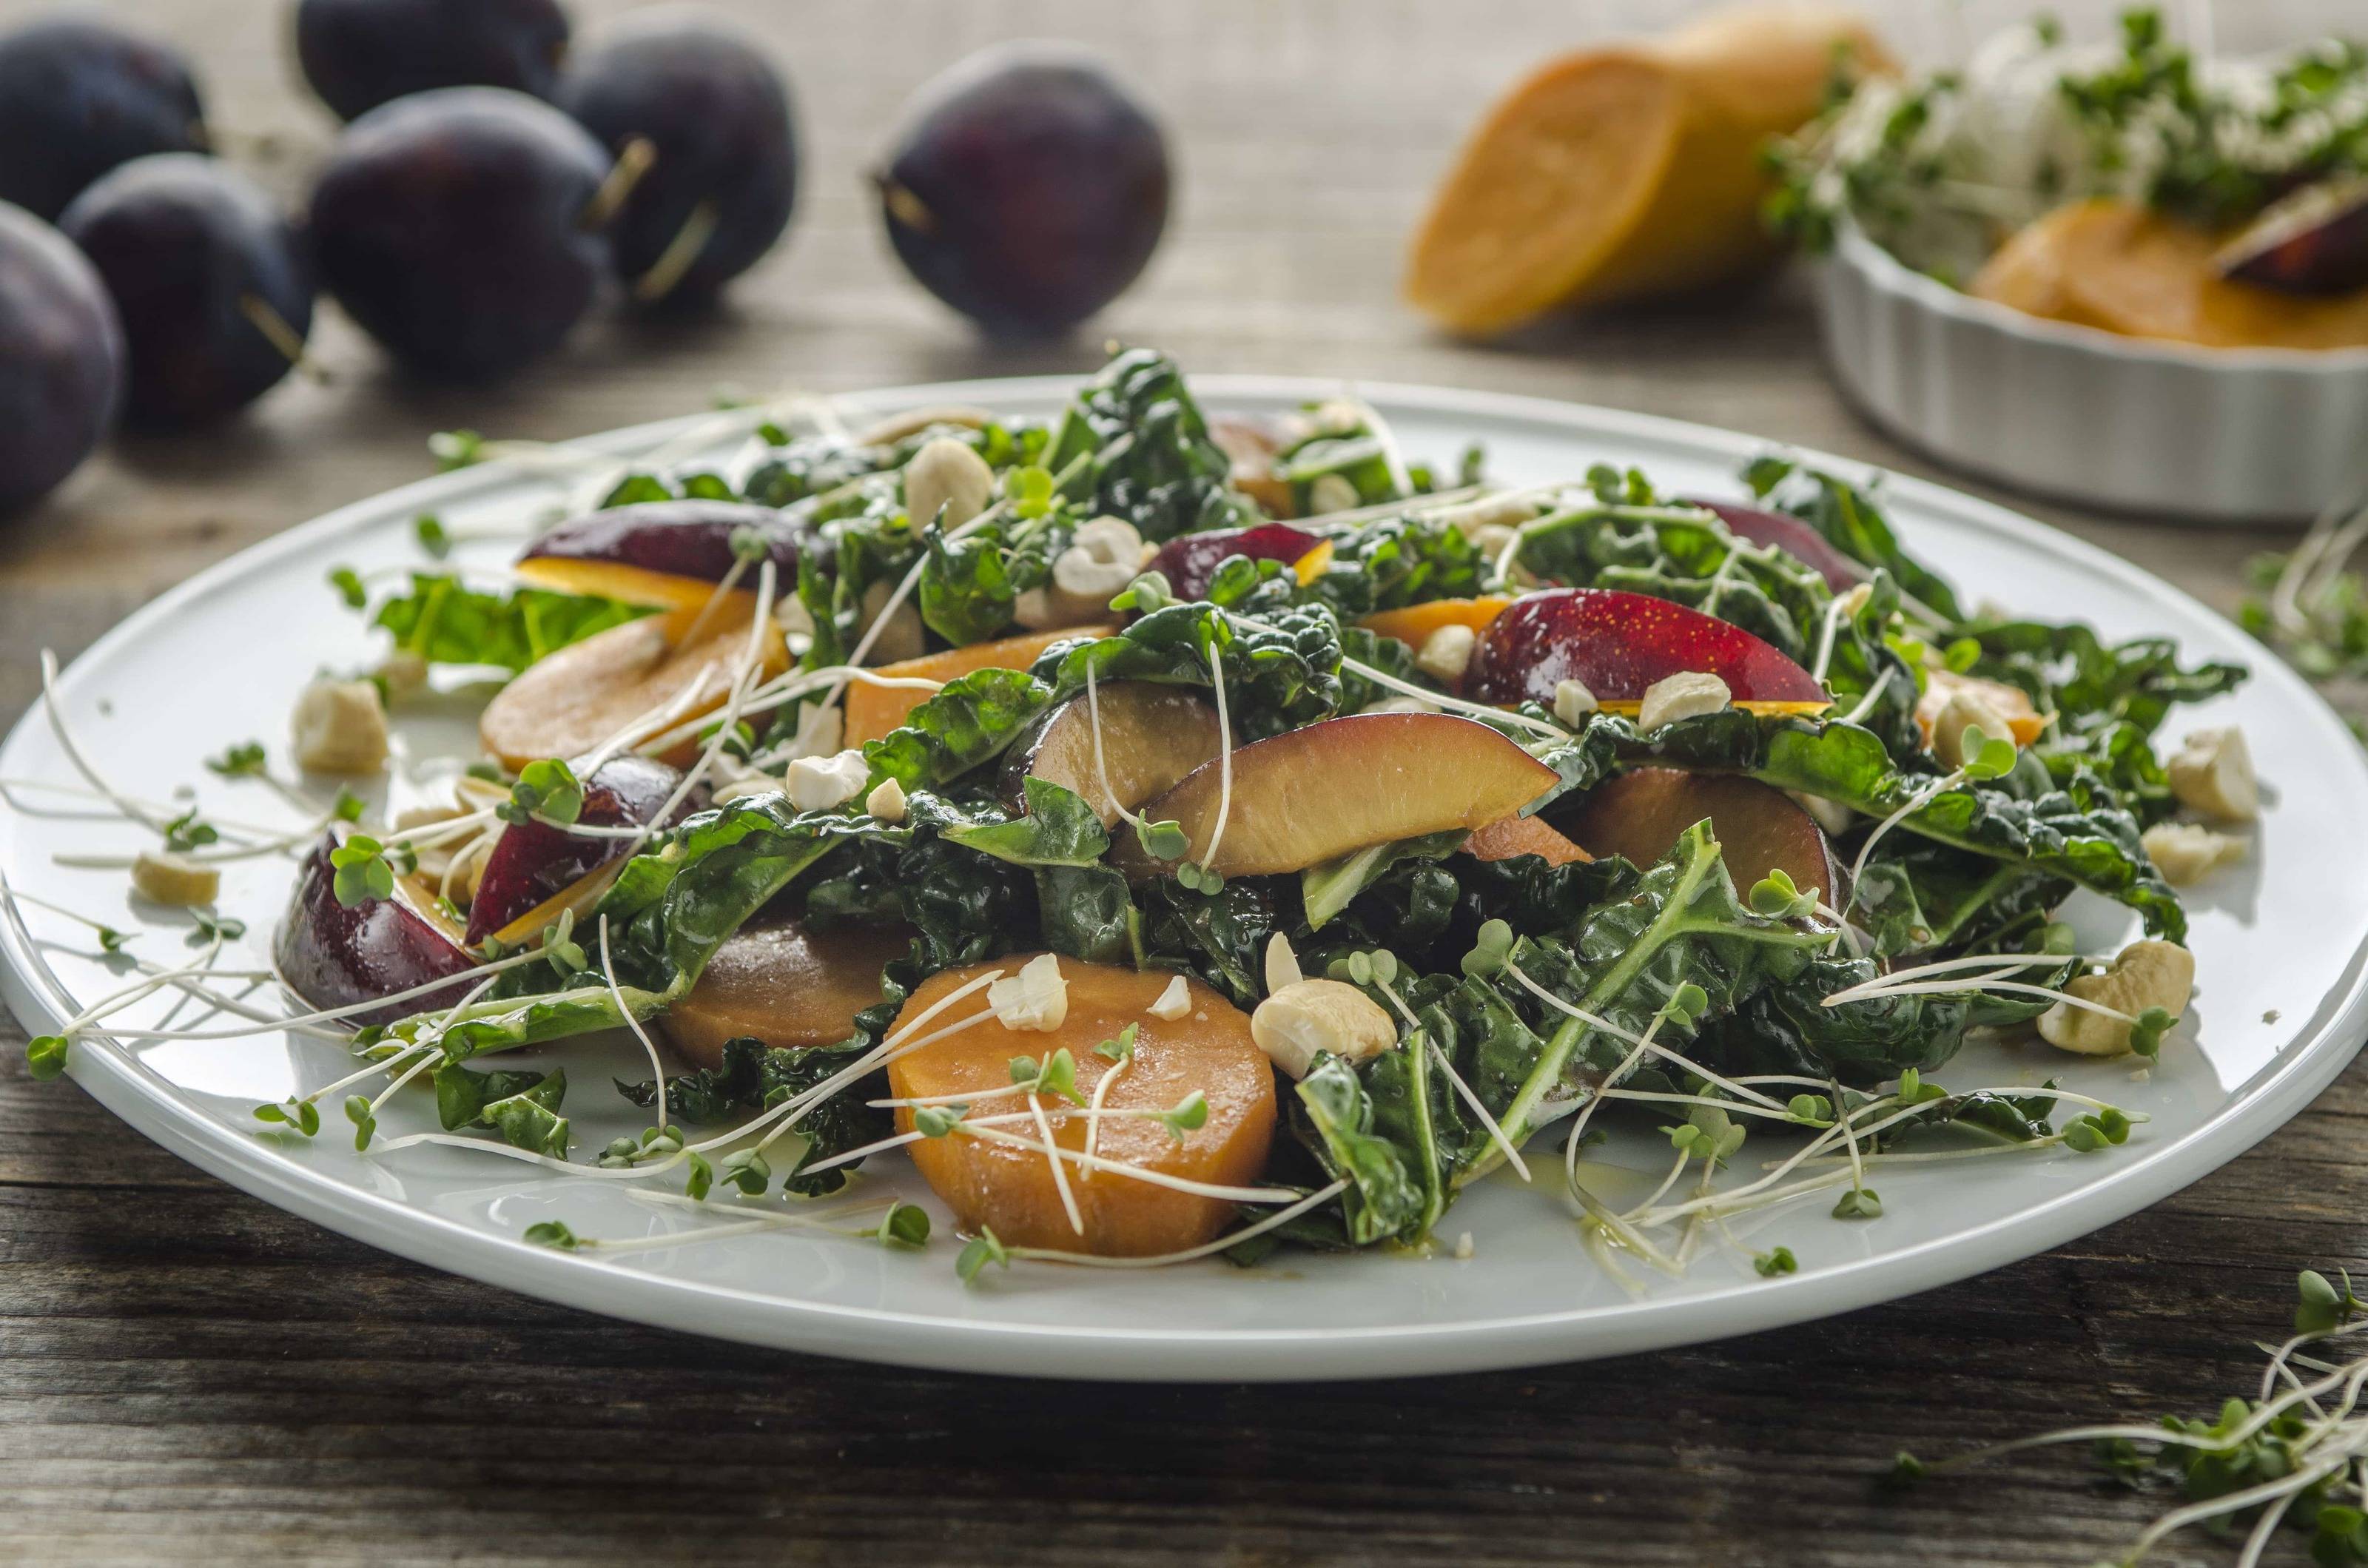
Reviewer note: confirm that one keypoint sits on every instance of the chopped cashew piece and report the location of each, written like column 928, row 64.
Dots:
column 2186, row 852
column 2213, row 772
column 1464, row 1248
column 1573, row 702
column 2148, row 975
column 1282, row 964
column 1173, row 1003
column 403, row 674
column 1305, row 1019
column 1850, row 604
column 886, row 803
column 1036, row 998
column 1446, row 653
column 1686, row 695
column 1399, row 705
column 1332, row 492
column 1966, row 709
column 340, row 727
column 1103, row 557
column 946, row 481
column 818, row 783
column 162, row 877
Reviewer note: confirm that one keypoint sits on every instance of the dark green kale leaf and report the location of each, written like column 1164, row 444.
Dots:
column 1385, row 1198
column 1852, row 524
column 1135, row 445
column 1281, row 666
column 1399, row 561
column 970, row 720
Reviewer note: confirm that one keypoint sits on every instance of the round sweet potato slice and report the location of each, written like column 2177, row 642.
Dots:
column 777, row 982
column 1010, row 1189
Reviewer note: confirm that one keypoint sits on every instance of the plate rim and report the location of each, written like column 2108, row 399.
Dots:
column 160, row 1111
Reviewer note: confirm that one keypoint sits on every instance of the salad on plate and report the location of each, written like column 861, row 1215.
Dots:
column 1180, row 836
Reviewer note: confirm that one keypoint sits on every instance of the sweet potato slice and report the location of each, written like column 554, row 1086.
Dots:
column 1011, row 1189
column 577, row 698
column 876, row 710
column 1615, row 173
column 777, row 982
column 1414, row 624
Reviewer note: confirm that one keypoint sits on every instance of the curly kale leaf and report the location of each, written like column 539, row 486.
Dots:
column 2077, row 832
column 1281, row 668
column 1399, row 561
column 445, row 622
column 1135, row 445
column 970, row 720
column 1385, row 1198
column 1852, row 524
column 753, row 1076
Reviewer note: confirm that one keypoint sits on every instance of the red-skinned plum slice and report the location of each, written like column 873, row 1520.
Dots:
column 1789, row 534
column 1190, row 561
column 336, row 956
column 668, row 553
column 533, row 862
column 1617, row 644
column 2314, row 242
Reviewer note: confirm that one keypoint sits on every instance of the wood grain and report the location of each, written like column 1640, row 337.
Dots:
column 187, row 1375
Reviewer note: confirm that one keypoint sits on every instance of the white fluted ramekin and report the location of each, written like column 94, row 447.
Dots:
column 2162, row 428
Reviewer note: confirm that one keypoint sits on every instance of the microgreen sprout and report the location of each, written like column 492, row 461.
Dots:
column 1165, row 841
column 1378, row 966
column 188, row 831
column 750, row 545
column 553, row 1234
column 1810, row 1110
column 1189, row 1115
column 1859, row 1203
column 547, row 788
column 45, row 1056
column 746, row 1169
column 1490, row 948
column 2098, row 1130
column 1708, row 1134
column 366, row 869
column 700, row 1180
column 2323, row 1308
column 1120, row 1048
column 244, row 760
column 358, row 1111
column 1055, row 1074
column 1775, row 1261
column 1200, row 879
column 1029, row 489
column 211, row 926
column 301, row 1115
column 983, row 1248
column 1148, row 592
column 905, row 1224
column 1775, row 897
column 348, row 583
column 433, row 537
column 936, row 1121
column 1913, row 1090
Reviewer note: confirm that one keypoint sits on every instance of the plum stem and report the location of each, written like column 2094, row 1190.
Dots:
column 681, row 254
column 633, row 159
column 285, row 339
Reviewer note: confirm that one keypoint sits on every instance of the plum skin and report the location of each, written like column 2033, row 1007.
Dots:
column 449, row 224
column 62, row 358
column 1189, row 562
column 358, row 54
column 76, row 99
column 718, row 117
column 532, row 862
column 336, row 956
column 1027, row 190
column 181, row 241
column 688, row 538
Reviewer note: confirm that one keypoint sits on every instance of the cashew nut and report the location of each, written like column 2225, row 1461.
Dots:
column 1685, row 695
column 946, row 481
column 1573, row 702
column 817, row 784
column 340, row 727
column 1966, row 709
column 1173, row 1003
column 1103, row 557
column 2146, row 975
column 1282, row 964
column 1036, row 998
column 2212, row 773
column 1332, row 492
column 1310, row 1016
column 162, row 877
column 1447, row 652
column 2186, row 852
column 886, row 803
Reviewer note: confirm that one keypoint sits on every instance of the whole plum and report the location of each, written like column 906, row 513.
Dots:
column 61, row 361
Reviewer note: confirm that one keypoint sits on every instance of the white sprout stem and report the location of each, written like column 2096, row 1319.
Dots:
column 1452, row 704
column 715, row 597
column 2011, row 962
column 82, row 764
column 794, row 684
column 1392, row 459
column 75, row 792
column 1669, row 1181
column 1572, row 1142
column 384, row 1065
column 1914, row 803
column 1094, row 1109
column 1831, row 625
column 889, row 1048
column 1051, row 1157
column 1101, row 767
column 1733, row 1086
column 426, row 1059
column 1189, row 1255
column 617, row 994
column 1224, row 757
column 1865, row 705
column 331, row 1015
column 1463, row 1091
column 1138, row 1173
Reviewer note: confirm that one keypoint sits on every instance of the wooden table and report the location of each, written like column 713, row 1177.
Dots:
column 188, row 1375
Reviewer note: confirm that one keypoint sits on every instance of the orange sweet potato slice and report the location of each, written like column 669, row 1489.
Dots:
column 778, row 981
column 1011, row 1189
column 1414, row 624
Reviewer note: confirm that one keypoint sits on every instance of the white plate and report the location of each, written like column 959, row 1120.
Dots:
column 2279, row 949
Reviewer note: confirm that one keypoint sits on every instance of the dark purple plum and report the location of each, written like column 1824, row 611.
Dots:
column 532, row 862
column 61, row 365
column 455, row 226
column 79, row 96
column 1190, row 561
column 1028, row 190
column 359, row 54
column 209, row 279
column 669, row 553
column 336, row 956
column 2314, row 242
column 1789, row 534
column 716, row 116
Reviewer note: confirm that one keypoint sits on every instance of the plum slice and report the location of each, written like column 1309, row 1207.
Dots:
column 2312, row 242
column 1638, row 814
column 1152, row 736
column 577, row 698
column 1190, row 561
column 336, row 956
column 534, row 863
column 668, row 553
column 781, row 982
column 1311, row 795
column 1789, row 534
column 1617, row 644
column 1509, row 838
